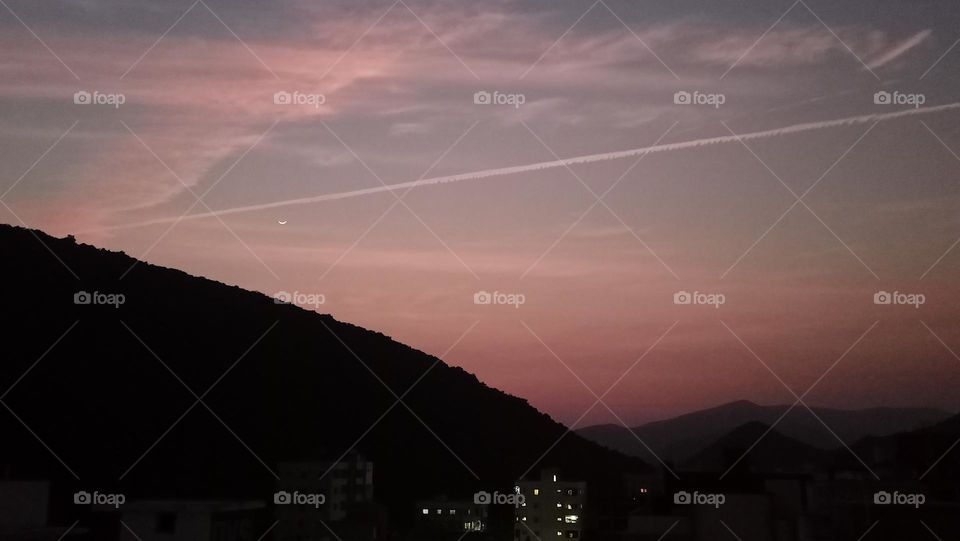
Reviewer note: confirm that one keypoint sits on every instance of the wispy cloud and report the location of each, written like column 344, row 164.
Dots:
column 900, row 49
column 567, row 162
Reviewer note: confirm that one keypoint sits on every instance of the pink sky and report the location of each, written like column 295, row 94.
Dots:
column 598, row 278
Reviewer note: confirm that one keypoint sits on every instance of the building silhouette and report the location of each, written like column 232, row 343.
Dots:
column 169, row 520
column 553, row 508
column 24, row 510
column 442, row 516
column 346, row 489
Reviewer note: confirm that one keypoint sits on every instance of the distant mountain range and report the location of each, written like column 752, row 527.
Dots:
column 925, row 454
column 931, row 453
column 680, row 439
column 755, row 447
column 104, row 396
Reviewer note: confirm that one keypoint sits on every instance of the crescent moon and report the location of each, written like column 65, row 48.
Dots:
column 282, row 222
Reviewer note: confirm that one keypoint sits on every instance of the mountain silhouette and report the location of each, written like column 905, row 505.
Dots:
column 930, row 453
column 757, row 448
column 194, row 389
column 680, row 438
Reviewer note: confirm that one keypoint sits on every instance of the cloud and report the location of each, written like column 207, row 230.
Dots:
column 567, row 162
column 900, row 49
column 199, row 99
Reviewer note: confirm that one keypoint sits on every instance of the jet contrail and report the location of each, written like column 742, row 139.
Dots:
column 591, row 158
column 901, row 49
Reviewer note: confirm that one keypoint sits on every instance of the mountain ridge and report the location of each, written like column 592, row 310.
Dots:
column 679, row 438
column 195, row 388
column 759, row 448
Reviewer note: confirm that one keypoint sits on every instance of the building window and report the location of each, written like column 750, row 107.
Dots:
column 426, row 511
column 536, row 492
column 571, row 519
column 453, row 511
column 166, row 523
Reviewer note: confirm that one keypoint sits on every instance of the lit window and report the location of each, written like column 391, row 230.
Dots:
column 569, row 506
column 536, row 492
column 559, row 533
column 426, row 511
column 571, row 519
column 555, row 480
column 453, row 511
column 559, row 505
column 439, row 511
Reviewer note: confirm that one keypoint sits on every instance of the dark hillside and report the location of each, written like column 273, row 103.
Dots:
column 278, row 383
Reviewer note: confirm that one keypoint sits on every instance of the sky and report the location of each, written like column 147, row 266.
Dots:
column 531, row 190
